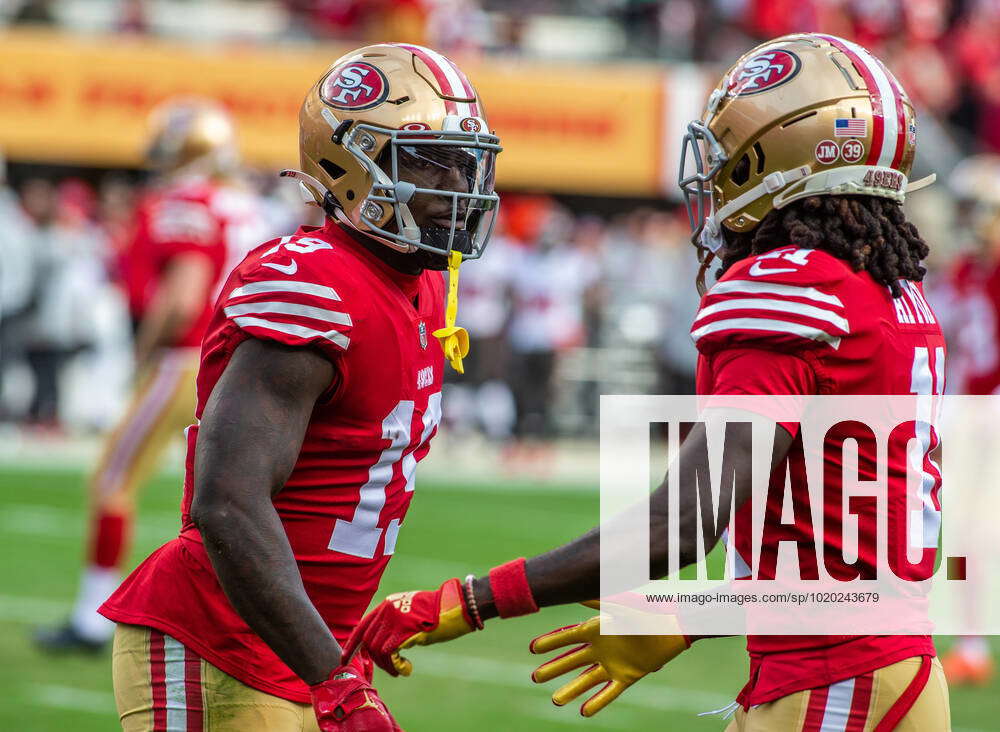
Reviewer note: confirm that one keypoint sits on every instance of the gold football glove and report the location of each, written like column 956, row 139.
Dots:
column 614, row 662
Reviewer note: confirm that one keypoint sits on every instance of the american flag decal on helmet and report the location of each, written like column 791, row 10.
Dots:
column 852, row 127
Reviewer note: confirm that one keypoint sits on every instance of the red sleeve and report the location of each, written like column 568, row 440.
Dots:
column 756, row 372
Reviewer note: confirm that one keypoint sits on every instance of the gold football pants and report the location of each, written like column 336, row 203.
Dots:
column 160, row 685
column 858, row 705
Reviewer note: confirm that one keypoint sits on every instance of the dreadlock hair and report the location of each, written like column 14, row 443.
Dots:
column 868, row 232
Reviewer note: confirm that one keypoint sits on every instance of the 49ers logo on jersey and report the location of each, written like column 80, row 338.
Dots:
column 763, row 72
column 355, row 85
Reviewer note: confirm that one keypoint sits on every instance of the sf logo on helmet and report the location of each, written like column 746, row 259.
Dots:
column 764, row 71
column 355, row 85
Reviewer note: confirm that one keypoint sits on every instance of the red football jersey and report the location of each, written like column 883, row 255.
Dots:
column 345, row 500
column 971, row 318
column 801, row 321
column 191, row 216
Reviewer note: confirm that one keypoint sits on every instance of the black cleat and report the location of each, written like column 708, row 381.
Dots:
column 66, row 639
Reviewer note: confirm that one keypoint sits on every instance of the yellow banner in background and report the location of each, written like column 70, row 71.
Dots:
column 85, row 100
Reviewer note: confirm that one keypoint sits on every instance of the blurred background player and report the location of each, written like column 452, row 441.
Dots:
column 970, row 315
column 192, row 225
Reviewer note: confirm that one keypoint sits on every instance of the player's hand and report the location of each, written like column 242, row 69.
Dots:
column 613, row 662
column 347, row 702
column 408, row 619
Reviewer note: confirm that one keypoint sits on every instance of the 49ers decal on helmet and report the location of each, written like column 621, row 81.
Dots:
column 471, row 124
column 763, row 72
column 355, row 85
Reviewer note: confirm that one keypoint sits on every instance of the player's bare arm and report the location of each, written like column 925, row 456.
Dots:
column 179, row 299
column 571, row 573
column 567, row 574
column 250, row 437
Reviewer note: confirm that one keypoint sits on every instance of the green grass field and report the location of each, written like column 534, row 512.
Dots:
column 479, row 682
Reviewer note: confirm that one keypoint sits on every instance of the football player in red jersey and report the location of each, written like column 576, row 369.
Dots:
column 804, row 151
column 971, row 319
column 191, row 226
column 318, row 393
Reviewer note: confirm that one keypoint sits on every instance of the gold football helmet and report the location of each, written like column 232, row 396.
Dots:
column 803, row 115
column 191, row 135
column 394, row 143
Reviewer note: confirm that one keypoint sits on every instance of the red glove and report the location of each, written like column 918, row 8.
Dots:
column 410, row 619
column 347, row 702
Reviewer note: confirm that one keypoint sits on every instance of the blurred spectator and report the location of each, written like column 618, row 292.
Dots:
column 549, row 292
column 34, row 12
column 669, row 237
column 482, row 398
column 133, row 18
column 455, row 26
column 38, row 197
column 365, row 20
column 328, row 18
column 772, row 18
column 17, row 280
column 979, row 56
column 69, row 264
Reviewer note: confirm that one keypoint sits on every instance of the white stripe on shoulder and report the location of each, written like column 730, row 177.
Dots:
column 173, row 656
column 768, row 325
column 300, row 331
column 781, row 306
column 289, row 308
column 752, row 287
column 302, row 288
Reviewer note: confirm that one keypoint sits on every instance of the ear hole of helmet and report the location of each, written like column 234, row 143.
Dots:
column 741, row 171
column 332, row 169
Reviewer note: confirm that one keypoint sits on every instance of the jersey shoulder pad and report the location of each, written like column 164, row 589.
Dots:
column 788, row 300
column 297, row 290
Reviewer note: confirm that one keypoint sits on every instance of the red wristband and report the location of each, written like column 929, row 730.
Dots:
column 511, row 593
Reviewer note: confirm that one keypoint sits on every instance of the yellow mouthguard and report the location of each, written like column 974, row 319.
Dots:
column 454, row 340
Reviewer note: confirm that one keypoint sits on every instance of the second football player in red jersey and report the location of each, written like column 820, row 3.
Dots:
column 319, row 392
column 195, row 220
column 804, row 151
